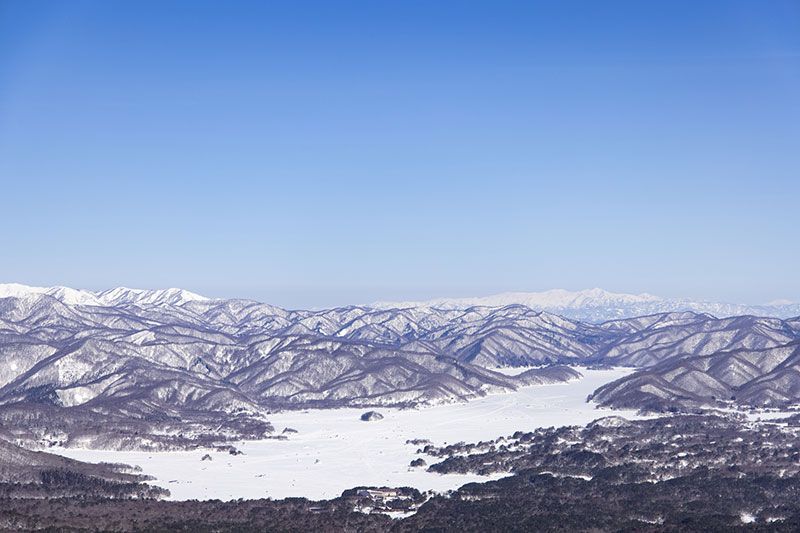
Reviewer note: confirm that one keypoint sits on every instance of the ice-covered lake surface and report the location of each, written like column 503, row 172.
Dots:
column 334, row 450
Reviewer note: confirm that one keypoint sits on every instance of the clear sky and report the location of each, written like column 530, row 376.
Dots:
column 318, row 153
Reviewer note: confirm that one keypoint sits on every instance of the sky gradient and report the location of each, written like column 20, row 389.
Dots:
column 312, row 154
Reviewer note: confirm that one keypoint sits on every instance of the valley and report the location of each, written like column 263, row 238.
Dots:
column 334, row 450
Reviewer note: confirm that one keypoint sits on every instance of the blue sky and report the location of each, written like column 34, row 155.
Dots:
column 320, row 153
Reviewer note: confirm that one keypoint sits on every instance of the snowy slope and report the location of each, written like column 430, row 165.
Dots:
column 117, row 296
column 64, row 294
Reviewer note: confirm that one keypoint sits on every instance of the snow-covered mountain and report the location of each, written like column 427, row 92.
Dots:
column 64, row 294
column 168, row 364
column 552, row 299
column 117, row 296
column 598, row 305
column 124, row 295
column 156, row 363
column 593, row 305
column 761, row 376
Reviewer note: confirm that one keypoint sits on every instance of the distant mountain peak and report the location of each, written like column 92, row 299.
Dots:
column 592, row 305
column 172, row 296
column 545, row 300
column 116, row 296
column 64, row 294
column 597, row 305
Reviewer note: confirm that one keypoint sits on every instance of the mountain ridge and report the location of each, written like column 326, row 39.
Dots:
column 595, row 305
column 115, row 296
column 175, row 368
column 167, row 368
column 599, row 305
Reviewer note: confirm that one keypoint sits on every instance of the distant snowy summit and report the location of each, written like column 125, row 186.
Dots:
column 112, row 297
column 552, row 299
column 598, row 305
column 123, row 295
column 591, row 305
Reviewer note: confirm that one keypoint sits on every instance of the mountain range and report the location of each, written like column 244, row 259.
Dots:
column 593, row 305
column 116, row 296
column 598, row 305
column 166, row 368
column 130, row 368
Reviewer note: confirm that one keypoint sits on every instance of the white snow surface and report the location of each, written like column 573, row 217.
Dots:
column 334, row 450
column 65, row 294
column 123, row 295
column 552, row 299
column 117, row 296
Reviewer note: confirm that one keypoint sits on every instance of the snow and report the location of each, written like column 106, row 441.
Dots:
column 15, row 290
column 334, row 450
column 758, row 415
column 117, row 296
column 65, row 294
column 598, row 305
column 124, row 295
column 554, row 298
column 510, row 370
column 75, row 395
column 594, row 305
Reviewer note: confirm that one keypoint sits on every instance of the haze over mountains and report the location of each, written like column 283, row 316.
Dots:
column 169, row 368
column 598, row 305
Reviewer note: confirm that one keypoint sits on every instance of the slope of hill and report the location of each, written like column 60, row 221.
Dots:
column 32, row 474
column 757, row 377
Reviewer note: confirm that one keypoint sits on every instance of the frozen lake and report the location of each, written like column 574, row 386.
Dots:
column 334, row 450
